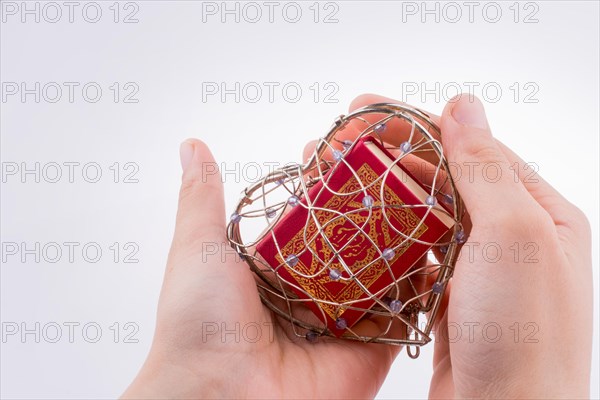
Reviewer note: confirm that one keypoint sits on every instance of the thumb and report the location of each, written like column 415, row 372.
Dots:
column 480, row 169
column 200, row 218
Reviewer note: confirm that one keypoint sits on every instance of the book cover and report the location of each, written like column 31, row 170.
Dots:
column 312, row 252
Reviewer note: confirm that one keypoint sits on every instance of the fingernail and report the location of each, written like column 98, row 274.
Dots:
column 469, row 111
column 186, row 153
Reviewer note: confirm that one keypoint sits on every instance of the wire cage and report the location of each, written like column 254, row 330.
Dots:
column 402, row 311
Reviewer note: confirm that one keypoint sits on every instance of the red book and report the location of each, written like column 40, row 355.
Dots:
column 313, row 252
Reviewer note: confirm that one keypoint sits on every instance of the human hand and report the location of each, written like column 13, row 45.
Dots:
column 203, row 291
column 515, row 323
column 536, row 294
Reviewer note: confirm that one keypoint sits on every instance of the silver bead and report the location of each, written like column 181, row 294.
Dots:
column 430, row 200
column 379, row 128
column 395, row 306
column 292, row 260
column 460, row 237
column 347, row 144
column 270, row 213
column 448, row 199
column 335, row 275
column 337, row 155
column 367, row 201
column 437, row 288
column 388, row 254
column 293, row 201
column 235, row 218
column 311, row 336
column 341, row 323
column 443, row 249
column 406, row 147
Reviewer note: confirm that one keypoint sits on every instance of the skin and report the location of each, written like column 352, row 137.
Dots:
column 547, row 355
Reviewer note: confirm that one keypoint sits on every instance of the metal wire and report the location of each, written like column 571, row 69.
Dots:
column 415, row 287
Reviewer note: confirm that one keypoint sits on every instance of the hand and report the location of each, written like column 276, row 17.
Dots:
column 250, row 355
column 536, row 296
column 515, row 323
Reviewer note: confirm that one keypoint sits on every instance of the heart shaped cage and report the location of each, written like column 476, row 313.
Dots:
column 403, row 311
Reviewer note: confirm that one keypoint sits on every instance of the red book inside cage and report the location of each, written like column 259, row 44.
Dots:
column 350, row 247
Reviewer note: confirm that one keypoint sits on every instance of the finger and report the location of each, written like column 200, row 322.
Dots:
column 442, row 308
column 309, row 148
column 442, row 386
column 423, row 170
column 397, row 130
column 470, row 146
column 347, row 132
column 201, row 211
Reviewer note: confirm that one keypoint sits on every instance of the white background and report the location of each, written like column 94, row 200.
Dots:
column 377, row 47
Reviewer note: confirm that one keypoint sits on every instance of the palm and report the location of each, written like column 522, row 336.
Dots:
column 216, row 307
